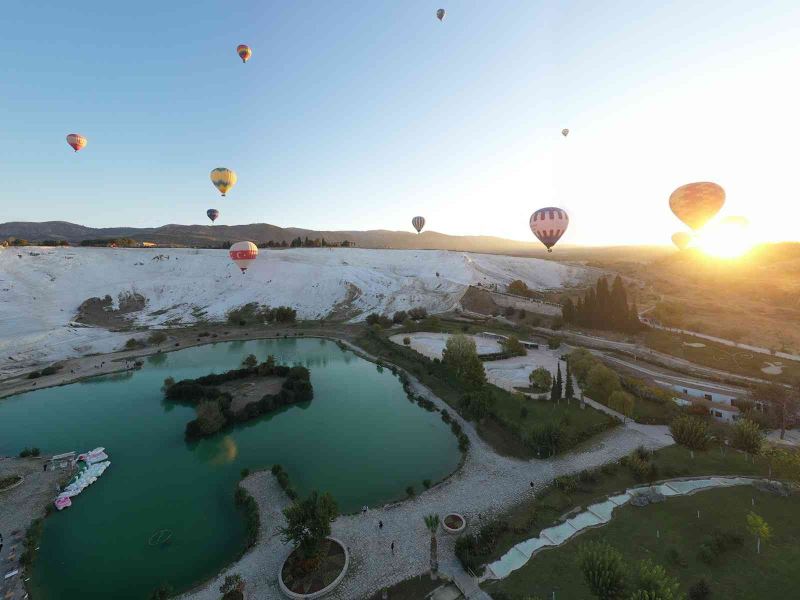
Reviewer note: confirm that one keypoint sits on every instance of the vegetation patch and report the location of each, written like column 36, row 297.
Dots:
column 10, row 481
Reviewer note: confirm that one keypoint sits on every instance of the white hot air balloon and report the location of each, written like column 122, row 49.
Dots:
column 243, row 254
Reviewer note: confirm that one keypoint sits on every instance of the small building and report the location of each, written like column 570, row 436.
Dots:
column 62, row 461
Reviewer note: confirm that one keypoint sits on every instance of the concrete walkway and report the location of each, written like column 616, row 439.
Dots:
column 486, row 485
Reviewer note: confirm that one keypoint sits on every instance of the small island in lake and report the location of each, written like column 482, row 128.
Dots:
column 239, row 395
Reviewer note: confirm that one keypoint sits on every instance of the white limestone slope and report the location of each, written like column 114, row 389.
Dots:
column 41, row 288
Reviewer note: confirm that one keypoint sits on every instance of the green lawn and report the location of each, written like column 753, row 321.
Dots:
column 508, row 427
column 415, row 588
column 529, row 518
column 719, row 356
column 737, row 573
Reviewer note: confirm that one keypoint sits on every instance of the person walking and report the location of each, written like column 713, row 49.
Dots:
column 380, row 524
column 392, row 548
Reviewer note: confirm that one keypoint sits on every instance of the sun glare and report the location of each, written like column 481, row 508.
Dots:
column 725, row 240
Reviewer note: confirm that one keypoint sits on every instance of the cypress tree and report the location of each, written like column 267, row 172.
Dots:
column 559, row 383
column 570, row 390
column 568, row 310
column 554, row 391
column 603, row 305
column 619, row 304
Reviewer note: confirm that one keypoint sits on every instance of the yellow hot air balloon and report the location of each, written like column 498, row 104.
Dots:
column 682, row 240
column 696, row 203
column 244, row 52
column 223, row 179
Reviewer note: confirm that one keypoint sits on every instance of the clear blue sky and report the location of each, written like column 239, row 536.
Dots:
column 358, row 115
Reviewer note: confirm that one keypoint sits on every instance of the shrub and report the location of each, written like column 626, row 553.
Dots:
column 478, row 405
column 513, row 346
column 157, row 337
column 601, row 383
column 417, row 313
column 554, row 343
column 699, row 590
column 410, row 491
column 250, row 361
column 399, row 317
column 603, row 569
column 380, row 320
column 523, row 412
column 426, row 483
column 674, row 557
column 540, row 379
column 132, row 344
column 407, row 341
column 642, row 470
column 26, row 452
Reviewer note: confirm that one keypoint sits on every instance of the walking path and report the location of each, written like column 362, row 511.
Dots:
column 597, row 515
column 485, row 486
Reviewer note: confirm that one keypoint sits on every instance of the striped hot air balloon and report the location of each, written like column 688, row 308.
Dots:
column 212, row 214
column 223, row 179
column 418, row 223
column 244, row 52
column 549, row 224
column 243, row 254
column 440, row 14
column 696, row 203
column 77, row 141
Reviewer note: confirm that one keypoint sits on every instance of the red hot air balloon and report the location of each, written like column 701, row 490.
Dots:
column 77, row 141
column 549, row 224
column 244, row 52
column 418, row 223
column 243, row 254
column 697, row 203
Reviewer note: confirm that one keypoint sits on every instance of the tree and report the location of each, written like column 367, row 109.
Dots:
column 540, row 379
column 601, row 383
column 554, row 390
column 603, row 570
column 691, row 432
column 461, row 355
column 559, row 383
column 747, row 436
column 478, row 405
column 513, row 346
column 162, row 592
column 781, row 401
column 568, row 310
column 518, row 288
column 308, row 523
column 759, row 528
column 250, row 361
column 209, row 418
column 622, row 402
column 432, row 523
column 270, row 362
column 651, row 582
column 569, row 391
column 232, row 582
column 699, row 590
column 399, row 317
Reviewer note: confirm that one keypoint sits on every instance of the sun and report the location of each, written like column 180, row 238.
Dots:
column 725, row 240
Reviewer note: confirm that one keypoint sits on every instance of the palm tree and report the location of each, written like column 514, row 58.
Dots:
column 432, row 523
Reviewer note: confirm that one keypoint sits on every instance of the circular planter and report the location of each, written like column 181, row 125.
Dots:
column 454, row 523
column 15, row 484
column 320, row 593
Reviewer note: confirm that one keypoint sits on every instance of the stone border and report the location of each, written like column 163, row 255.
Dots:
column 323, row 591
column 458, row 529
column 11, row 487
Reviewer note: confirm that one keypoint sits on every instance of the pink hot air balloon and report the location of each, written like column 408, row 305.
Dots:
column 77, row 141
column 549, row 224
column 243, row 254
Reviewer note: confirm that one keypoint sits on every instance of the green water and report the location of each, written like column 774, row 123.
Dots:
column 360, row 439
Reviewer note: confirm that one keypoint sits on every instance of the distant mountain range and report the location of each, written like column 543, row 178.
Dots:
column 214, row 235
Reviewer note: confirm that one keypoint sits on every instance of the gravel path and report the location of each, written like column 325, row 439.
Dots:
column 485, row 486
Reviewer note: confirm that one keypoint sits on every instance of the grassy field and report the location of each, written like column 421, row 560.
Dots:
column 719, row 356
column 509, row 427
column 529, row 518
column 737, row 573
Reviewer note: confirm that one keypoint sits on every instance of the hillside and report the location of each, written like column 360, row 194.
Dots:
column 42, row 288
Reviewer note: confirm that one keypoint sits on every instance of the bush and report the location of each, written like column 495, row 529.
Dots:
column 717, row 544
column 472, row 549
column 554, row 343
column 700, row 590
column 604, row 570
column 601, row 383
column 540, row 379
column 418, row 313
column 641, row 469
column 410, row 491
column 399, row 317
column 132, row 344
column 157, row 337
column 32, row 452
column 381, row 320
column 407, row 341
column 513, row 346
column 426, row 483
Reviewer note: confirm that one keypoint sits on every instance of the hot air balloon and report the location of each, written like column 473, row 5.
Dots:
column 565, row 132
column 440, row 14
column 736, row 220
column 681, row 239
column 224, row 179
column 696, row 203
column 77, row 141
column 418, row 223
column 243, row 254
column 213, row 214
column 244, row 52
column 549, row 224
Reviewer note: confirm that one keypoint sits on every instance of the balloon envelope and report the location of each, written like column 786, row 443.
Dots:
column 77, row 141
column 440, row 14
column 244, row 52
column 212, row 214
column 681, row 240
column 243, row 254
column 736, row 220
column 696, row 203
column 223, row 179
column 549, row 224
column 565, row 132
column 418, row 223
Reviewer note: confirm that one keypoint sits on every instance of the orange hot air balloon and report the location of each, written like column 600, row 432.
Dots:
column 682, row 240
column 697, row 203
column 244, row 52
column 77, row 141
